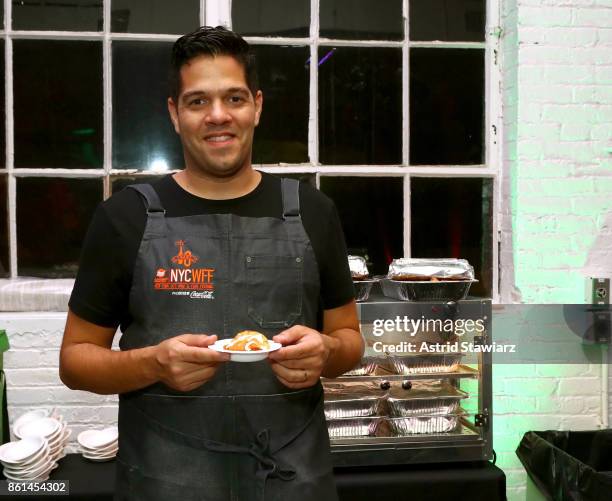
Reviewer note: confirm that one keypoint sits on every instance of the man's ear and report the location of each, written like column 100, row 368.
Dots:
column 258, row 106
column 173, row 110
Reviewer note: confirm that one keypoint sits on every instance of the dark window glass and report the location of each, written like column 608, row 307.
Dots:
column 361, row 19
column 118, row 183
column 4, row 236
column 58, row 104
column 453, row 218
column 447, row 20
column 143, row 135
column 52, row 218
column 282, row 134
column 154, row 16
column 360, row 105
column 372, row 214
column 2, row 111
column 280, row 18
column 73, row 15
column 446, row 106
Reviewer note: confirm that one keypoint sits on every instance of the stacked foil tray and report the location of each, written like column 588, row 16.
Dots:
column 364, row 410
column 406, row 364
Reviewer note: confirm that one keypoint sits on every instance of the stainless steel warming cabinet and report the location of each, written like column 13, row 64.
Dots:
column 414, row 398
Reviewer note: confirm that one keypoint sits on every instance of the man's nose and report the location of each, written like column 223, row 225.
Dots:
column 218, row 113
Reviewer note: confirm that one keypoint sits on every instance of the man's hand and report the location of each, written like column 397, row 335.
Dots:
column 301, row 360
column 185, row 362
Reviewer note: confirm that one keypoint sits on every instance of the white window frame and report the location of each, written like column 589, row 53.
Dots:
column 218, row 12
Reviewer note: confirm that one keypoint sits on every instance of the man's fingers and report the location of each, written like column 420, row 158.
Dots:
column 291, row 335
column 201, row 340
column 202, row 355
column 302, row 363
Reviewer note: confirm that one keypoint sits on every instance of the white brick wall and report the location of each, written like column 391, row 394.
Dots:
column 32, row 374
column 557, row 188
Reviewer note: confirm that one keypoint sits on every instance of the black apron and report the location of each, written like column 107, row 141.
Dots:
column 242, row 435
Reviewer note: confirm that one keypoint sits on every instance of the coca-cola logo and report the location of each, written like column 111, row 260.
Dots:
column 201, row 295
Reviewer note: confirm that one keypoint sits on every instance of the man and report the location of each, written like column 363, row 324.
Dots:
column 212, row 250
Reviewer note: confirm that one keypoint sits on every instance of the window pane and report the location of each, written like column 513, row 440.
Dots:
column 58, row 104
column 454, row 218
column 360, row 105
column 447, row 20
column 4, row 236
column 75, row 15
column 372, row 214
column 155, row 16
column 362, row 19
column 143, row 136
column 282, row 134
column 52, row 217
column 280, row 18
column 2, row 110
column 446, row 106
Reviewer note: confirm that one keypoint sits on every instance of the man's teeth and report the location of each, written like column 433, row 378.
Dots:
column 218, row 139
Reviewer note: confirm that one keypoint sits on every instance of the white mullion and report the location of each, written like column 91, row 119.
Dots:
column 277, row 41
column 143, row 37
column 407, row 216
column 313, row 101
column 43, row 172
column 9, row 134
column 107, row 93
column 405, row 89
column 382, row 170
column 493, row 118
column 218, row 12
column 202, row 17
column 448, row 45
column 59, row 35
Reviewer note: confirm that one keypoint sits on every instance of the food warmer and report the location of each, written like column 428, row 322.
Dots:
column 399, row 407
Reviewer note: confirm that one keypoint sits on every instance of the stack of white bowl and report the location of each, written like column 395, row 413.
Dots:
column 26, row 460
column 48, row 425
column 99, row 445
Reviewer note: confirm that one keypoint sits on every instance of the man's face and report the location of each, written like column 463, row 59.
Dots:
column 215, row 116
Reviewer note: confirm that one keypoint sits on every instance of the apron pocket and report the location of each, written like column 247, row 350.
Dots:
column 275, row 285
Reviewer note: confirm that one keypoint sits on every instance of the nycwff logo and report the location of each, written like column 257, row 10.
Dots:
column 185, row 278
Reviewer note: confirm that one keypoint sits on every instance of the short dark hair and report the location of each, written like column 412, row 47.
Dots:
column 209, row 41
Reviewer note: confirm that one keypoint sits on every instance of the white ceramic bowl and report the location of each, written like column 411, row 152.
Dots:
column 21, row 451
column 31, row 416
column 244, row 356
column 97, row 439
column 45, row 427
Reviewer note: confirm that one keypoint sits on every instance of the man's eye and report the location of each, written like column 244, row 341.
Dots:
column 236, row 99
column 197, row 102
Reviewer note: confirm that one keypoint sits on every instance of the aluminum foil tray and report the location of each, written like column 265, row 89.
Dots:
column 353, row 427
column 453, row 290
column 427, row 397
column 352, row 400
column 425, row 363
column 367, row 366
column 402, row 426
column 362, row 289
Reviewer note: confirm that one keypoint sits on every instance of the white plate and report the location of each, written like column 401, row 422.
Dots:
column 244, row 356
column 22, row 450
column 30, row 475
column 45, row 427
column 100, row 459
column 97, row 439
column 34, row 415
column 60, row 438
column 32, row 464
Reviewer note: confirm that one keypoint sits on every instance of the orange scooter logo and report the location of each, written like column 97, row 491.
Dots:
column 184, row 257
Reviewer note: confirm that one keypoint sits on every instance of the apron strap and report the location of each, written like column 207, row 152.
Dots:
column 151, row 199
column 156, row 214
column 290, row 189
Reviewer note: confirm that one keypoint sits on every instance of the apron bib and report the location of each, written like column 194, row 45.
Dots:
column 242, row 435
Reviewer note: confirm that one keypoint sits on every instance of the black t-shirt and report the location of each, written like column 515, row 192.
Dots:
column 101, row 290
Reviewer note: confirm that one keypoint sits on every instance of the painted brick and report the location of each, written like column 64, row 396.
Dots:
column 603, row 75
column 568, row 370
column 580, row 386
column 567, row 113
column 33, row 377
column 563, row 37
column 530, row 388
column 544, row 17
column 601, row 18
column 507, row 405
column 563, row 260
column 575, row 132
column 569, row 74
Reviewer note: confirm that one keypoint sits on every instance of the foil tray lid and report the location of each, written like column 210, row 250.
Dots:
column 358, row 267
column 426, row 269
column 350, row 391
column 426, row 389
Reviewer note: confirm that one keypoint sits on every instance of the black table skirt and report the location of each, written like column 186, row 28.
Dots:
column 459, row 481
